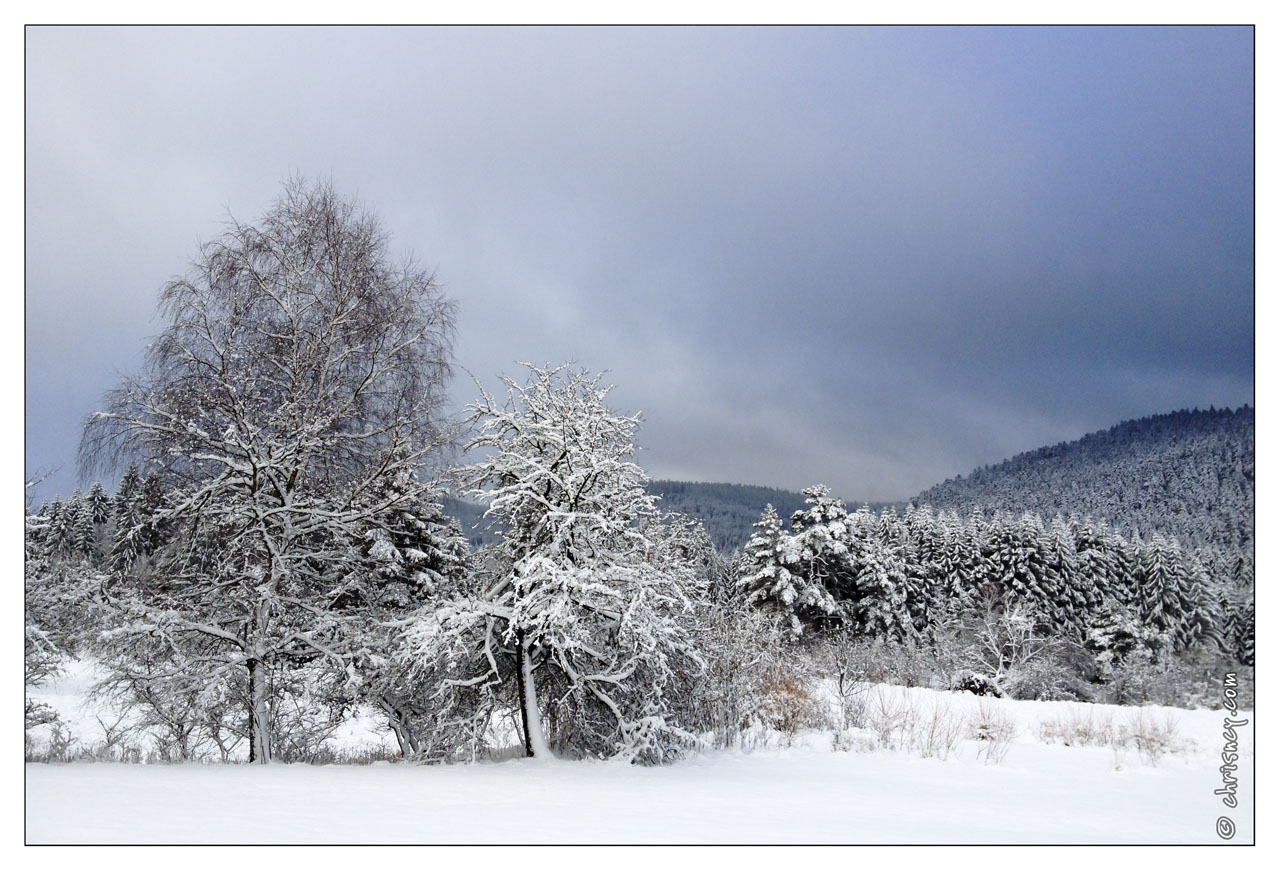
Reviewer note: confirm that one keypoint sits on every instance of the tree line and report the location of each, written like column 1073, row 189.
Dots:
column 906, row 577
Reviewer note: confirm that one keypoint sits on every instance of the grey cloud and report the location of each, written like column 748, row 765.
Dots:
column 872, row 257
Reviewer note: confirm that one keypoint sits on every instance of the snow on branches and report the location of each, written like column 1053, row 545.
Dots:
column 585, row 616
column 298, row 373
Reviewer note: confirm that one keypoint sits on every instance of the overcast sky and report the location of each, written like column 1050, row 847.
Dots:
column 874, row 258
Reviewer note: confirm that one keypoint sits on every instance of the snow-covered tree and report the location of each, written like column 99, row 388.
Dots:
column 299, row 368
column 874, row 600
column 56, row 530
column 410, row 555
column 1097, row 579
column 1005, row 644
column 957, row 564
column 771, row 577
column 1164, row 591
column 42, row 657
column 60, row 602
column 1112, row 635
column 82, row 539
column 924, row 553
column 1237, row 606
column 587, row 616
column 99, row 504
column 126, row 544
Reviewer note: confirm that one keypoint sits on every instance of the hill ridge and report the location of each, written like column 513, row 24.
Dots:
column 1186, row 473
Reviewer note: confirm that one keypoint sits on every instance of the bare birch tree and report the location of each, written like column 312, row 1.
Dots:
column 299, row 369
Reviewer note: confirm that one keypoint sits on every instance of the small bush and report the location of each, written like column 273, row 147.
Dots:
column 994, row 729
column 1078, row 728
column 787, row 704
column 936, row 732
column 978, row 684
column 1191, row 680
column 364, row 755
column 59, row 748
column 853, row 740
column 1151, row 735
column 891, row 717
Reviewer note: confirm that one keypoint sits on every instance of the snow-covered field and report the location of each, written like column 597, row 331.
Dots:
column 799, row 790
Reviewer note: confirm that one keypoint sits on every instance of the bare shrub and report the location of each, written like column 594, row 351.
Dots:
column 995, row 729
column 1079, row 728
column 891, row 717
column 60, row 747
column 1151, row 735
column 364, row 755
column 936, row 732
column 839, row 657
column 1193, row 679
column 787, row 704
column 742, row 649
column 853, row 739
column 899, row 663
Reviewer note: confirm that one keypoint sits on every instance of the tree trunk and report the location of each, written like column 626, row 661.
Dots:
column 400, row 727
column 535, row 743
column 259, row 728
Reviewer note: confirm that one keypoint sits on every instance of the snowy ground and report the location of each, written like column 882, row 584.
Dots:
column 803, row 793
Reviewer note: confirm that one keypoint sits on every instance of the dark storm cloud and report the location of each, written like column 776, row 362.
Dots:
column 871, row 257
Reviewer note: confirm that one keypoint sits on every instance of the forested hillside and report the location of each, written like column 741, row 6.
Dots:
column 727, row 511
column 1187, row 474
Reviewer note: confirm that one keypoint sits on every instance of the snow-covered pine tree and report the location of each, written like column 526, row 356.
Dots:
column 1112, row 635
column 99, row 504
column 409, row 555
column 1068, row 604
column 585, row 620
column 1010, row 557
column 1097, row 577
column 122, row 504
column 126, row 543
column 873, row 595
column 818, row 552
column 958, row 566
column 80, row 536
column 57, row 528
column 985, row 581
column 760, row 569
column 772, row 576
column 910, row 545
column 926, row 543
column 1128, row 551
column 1166, row 600
column 1202, row 623
column 1237, row 605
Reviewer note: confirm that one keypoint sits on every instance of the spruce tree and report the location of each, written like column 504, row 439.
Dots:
column 775, row 575
column 99, row 504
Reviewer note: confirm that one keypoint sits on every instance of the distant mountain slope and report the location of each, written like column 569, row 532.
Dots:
column 1188, row 474
column 727, row 511
column 470, row 516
